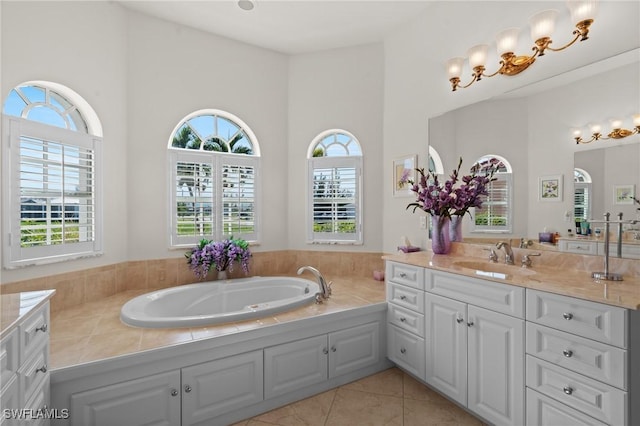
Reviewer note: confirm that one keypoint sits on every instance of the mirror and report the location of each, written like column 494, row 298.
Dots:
column 532, row 129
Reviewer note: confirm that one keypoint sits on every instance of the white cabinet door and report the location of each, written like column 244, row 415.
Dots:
column 295, row 365
column 446, row 346
column 217, row 387
column 153, row 400
column 406, row 349
column 353, row 348
column 496, row 366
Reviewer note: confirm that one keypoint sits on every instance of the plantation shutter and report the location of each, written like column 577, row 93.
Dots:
column 239, row 198
column 581, row 201
column 53, row 193
column 495, row 213
column 335, row 199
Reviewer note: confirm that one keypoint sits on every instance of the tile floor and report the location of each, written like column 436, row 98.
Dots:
column 390, row 397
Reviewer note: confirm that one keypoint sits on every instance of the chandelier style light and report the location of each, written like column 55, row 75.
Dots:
column 617, row 131
column 542, row 27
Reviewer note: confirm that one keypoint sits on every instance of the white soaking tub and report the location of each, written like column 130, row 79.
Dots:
column 215, row 302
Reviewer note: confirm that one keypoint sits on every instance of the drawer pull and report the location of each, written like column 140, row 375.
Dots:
column 568, row 353
column 403, row 319
column 402, row 275
column 403, row 297
column 403, row 350
column 187, row 388
column 174, row 392
column 568, row 316
column 42, row 369
column 568, row 390
column 42, row 328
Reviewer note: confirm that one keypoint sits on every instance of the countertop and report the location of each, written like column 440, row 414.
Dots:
column 562, row 277
column 93, row 331
column 593, row 239
column 14, row 306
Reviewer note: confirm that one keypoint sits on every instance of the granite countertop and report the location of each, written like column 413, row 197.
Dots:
column 14, row 306
column 561, row 274
column 93, row 331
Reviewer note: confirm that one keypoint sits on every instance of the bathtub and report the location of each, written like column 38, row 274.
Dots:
column 216, row 302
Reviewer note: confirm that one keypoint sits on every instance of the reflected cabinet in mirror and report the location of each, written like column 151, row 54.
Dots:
column 555, row 182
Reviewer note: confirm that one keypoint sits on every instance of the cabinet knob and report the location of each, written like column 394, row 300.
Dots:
column 402, row 275
column 42, row 369
column 567, row 316
column 568, row 353
column 174, row 392
column 187, row 388
column 325, row 351
column 403, row 350
column 333, row 349
column 403, row 297
column 568, row 390
column 403, row 319
column 470, row 324
column 44, row 327
column 459, row 320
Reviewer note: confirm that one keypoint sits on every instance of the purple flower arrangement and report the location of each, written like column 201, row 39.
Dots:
column 218, row 254
column 446, row 199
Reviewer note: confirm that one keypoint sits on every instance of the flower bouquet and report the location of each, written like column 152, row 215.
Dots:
column 218, row 254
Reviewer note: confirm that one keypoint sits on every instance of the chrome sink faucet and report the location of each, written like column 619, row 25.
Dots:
column 325, row 288
column 508, row 253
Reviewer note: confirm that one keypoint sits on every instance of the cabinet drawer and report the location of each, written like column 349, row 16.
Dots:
column 34, row 371
column 406, row 350
column 9, row 400
column 8, row 357
column 412, row 276
column 594, row 398
column 407, row 297
column 33, row 331
column 594, row 359
column 582, row 247
column 406, row 319
column 604, row 323
column 542, row 410
column 507, row 299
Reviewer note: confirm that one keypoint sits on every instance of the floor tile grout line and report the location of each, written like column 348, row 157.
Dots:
column 326, row 419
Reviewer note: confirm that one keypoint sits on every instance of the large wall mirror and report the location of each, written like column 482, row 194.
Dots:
column 532, row 128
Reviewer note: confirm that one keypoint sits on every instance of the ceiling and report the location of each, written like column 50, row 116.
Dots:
column 290, row 27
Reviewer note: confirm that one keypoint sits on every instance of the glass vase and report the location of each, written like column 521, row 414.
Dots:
column 455, row 228
column 222, row 275
column 440, row 242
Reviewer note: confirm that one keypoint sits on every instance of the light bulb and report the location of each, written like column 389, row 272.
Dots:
column 454, row 67
column 616, row 124
column 595, row 128
column 582, row 10
column 507, row 40
column 543, row 24
column 577, row 133
column 478, row 55
column 636, row 120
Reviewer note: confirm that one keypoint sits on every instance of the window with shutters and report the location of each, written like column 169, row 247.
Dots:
column 335, row 189
column 214, row 162
column 496, row 213
column 581, row 194
column 51, row 176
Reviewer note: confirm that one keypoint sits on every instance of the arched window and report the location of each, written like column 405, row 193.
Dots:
column 214, row 160
column 335, row 188
column 435, row 162
column 581, row 194
column 52, row 175
column 496, row 213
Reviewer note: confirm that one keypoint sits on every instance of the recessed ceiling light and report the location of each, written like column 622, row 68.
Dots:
column 246, row 4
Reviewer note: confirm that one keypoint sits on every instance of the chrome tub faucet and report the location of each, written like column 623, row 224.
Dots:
column 325, row 288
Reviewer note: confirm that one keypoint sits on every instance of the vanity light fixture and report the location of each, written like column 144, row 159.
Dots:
column 542, row 27
column 617, row 132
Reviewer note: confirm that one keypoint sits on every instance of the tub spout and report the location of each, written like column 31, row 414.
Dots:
column 325, row 288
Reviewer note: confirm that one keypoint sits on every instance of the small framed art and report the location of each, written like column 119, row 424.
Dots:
column 404, row 170
column 624, row 194
column 550, row 188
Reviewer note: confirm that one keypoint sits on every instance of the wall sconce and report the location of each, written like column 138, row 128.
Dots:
column 617, row 131
column 542, row 26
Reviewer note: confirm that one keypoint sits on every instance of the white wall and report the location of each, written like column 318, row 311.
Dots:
column 336, row 89
column 81, row 45
column 174, row 71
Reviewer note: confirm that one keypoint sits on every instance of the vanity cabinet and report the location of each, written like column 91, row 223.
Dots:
column 405, row 317
column 295, row 365
column 475, row 355
column 24, row 374
column 577, row 360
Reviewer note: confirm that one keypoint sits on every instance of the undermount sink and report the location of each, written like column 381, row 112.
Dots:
column 494, row 270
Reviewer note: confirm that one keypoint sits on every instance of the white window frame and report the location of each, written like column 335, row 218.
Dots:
column 500, row 176
column 14, row 255
column 216, row 159
column 582, row 180
column 332, row 162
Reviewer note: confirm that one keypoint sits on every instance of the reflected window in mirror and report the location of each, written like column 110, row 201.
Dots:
column 435, row 162
column 581, row 194
column 496, row 213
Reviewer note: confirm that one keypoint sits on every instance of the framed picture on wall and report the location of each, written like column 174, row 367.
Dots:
column 550, row 188
column 404, row 168
column 624, row 194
